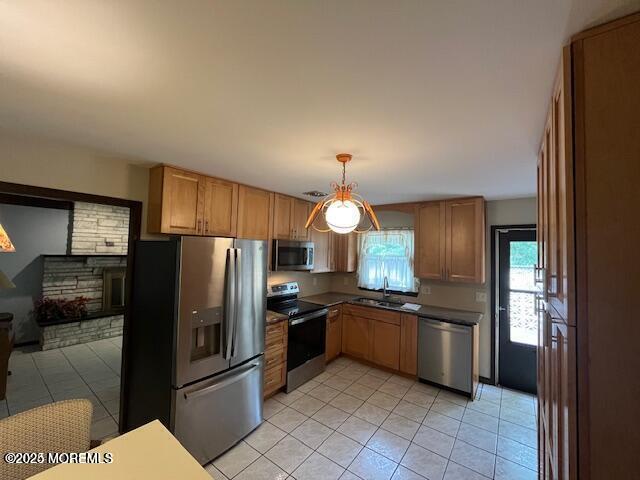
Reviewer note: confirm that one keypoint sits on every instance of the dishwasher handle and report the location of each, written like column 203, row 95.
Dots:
column 447, row 327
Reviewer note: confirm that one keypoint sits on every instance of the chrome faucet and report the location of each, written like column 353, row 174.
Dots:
column 385, row 287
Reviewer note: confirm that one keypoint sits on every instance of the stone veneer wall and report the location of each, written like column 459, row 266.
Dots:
column 71, row 277
column 99, row 229
column 56, row 336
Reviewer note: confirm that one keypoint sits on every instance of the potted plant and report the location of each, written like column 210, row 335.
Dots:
column 50, row 310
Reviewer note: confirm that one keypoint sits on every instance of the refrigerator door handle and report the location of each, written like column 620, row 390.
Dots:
column 230, row 302
column 238, row 296
column 224, row 382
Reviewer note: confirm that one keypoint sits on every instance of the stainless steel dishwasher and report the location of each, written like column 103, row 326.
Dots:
column 445, row 354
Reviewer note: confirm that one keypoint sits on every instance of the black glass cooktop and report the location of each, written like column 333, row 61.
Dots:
column 294, row 308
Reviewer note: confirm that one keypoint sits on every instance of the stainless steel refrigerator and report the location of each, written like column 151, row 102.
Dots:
column 196, row 340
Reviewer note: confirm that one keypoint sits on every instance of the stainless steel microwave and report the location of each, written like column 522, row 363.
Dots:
column 292, row 255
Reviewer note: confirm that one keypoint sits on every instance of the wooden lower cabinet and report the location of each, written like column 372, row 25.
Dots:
column 409, row 344
column 382, row 337
column 355, row 336
column 334, row 333
column 275, row 357
column 385, row 344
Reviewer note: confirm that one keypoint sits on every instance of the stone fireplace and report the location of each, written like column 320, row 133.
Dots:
column 94, row 269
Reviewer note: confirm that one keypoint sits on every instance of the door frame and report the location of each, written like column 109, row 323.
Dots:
column 45, row 195
column 495, row 337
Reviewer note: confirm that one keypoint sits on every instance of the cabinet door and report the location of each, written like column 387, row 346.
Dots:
column 182, row 202
column 345, row 251
column 254, row 213
column 334, row 333
column 299, row 218
column 409, row 344
column 385, row 344
column 430, row 241
column 355, row 336
column 282, row 217
column 562, row 238
column 563, row 401
column 465, row 240
column 322, row 258
column 220, row 207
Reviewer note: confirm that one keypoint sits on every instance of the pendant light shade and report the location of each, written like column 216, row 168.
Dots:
column 343, row 210
column 342, row 217
column 5, row 242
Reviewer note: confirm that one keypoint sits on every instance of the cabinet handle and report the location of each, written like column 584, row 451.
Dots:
column 199, row 227
column 206, row 226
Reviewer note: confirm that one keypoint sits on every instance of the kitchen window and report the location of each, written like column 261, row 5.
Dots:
column 387, row 253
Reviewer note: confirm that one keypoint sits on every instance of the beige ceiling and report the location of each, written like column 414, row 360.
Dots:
column 433, row 98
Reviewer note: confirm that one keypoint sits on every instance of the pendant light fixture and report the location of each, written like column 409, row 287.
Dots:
column 5, row 241
column 343, row 209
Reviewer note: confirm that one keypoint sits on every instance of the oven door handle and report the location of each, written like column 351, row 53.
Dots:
column 306, row 318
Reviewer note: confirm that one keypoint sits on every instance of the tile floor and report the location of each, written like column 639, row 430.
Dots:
column 90, row 370
column 355, row 422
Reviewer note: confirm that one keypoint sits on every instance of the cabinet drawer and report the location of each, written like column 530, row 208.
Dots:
column 274, row 355
column 334, row 314
column 276, row 333
column 373, row 313
column 274, row 378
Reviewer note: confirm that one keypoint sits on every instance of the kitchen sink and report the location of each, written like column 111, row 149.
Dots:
column 377, row 303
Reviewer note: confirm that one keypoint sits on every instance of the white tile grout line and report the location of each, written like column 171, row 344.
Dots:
column 398, row 463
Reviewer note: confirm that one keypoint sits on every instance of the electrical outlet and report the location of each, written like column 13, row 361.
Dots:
column 345, row 281
column 481, row 297
column 425, row 289
column 315, row 280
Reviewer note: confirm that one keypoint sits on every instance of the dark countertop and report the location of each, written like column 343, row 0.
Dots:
column 330, row 299
column 450, row 315
column 274, row 317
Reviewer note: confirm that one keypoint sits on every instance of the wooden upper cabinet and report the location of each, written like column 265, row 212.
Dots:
column 299, row 218
column 465, row 240
column 345, row 251
column 220, row 207
column 176, row 200
column 450, row 240
column 186, row 203
column 430, row 241
column 323, row 258
column 282, row 214
column 561, row 195
column 289, row 217
column 254, row 213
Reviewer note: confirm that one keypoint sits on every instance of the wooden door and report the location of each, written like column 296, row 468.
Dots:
column 220, row 207
column 182, row 202
column 465, row 237
column 299, row 218
column 385, row 344
column 561, row 154
column 282, row 217
column 322, row 255
column 334, row 333
column 254, row 213
column 355, row 336
column 409, row 344
column 430, row 241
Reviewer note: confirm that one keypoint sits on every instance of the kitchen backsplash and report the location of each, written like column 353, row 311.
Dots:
column 310, row 283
